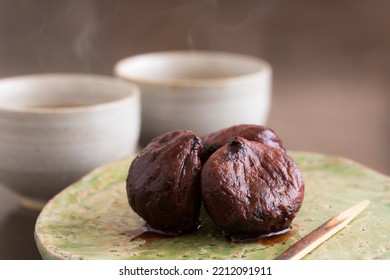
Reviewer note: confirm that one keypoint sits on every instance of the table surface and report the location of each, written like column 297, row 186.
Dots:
column 331, row 62
column 16, row 229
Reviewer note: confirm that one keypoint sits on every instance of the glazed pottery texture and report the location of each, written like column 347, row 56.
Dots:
column 198, row 90
column 93, row 220
column 56, row 128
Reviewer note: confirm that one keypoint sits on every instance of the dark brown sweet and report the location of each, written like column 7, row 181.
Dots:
column 251, row 132
column 250, row 189
column 163, row 182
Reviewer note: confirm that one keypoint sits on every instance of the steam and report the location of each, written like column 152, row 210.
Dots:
column 261, row 13
column 65, row 40
column 205, row 24
column 68, row 36
column 82, row 44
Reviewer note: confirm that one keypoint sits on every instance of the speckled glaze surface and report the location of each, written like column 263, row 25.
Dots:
column 87, row 220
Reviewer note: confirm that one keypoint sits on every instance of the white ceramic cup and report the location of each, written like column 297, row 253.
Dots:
column 200, row 91
column 55, row 128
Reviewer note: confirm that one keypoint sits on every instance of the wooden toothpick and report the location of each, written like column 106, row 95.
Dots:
column 322, row 233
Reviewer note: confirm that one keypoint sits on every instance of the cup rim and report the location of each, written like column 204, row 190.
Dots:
column 264, row 69
column 134, row 93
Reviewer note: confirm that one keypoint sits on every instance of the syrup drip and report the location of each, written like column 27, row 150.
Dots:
column 269, row 239
column 150, row 235
column 146, row 233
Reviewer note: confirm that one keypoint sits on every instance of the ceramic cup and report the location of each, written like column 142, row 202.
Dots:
column 56, row 128
column 200, row 91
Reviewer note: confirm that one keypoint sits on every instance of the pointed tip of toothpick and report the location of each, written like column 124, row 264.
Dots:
column 354, row 210
column 322, row 233
column 365, row 202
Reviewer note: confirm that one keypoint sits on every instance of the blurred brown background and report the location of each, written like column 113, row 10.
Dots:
column 331, row 62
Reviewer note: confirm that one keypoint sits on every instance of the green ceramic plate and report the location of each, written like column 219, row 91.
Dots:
column 91, row 219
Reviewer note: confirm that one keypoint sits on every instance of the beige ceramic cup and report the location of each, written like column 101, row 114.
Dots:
column 56, row 128
column 198, row 90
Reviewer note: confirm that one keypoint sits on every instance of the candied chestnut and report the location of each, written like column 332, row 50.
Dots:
column 251, row 132
column 163, row 182
column 250, row 189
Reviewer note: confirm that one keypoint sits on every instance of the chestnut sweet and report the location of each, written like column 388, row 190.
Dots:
column 163, row 182
column 250, row 189
column 252, row 132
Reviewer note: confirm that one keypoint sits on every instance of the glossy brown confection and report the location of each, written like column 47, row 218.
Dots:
column 163, row 182
column 250, row 189
column 251, row 132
